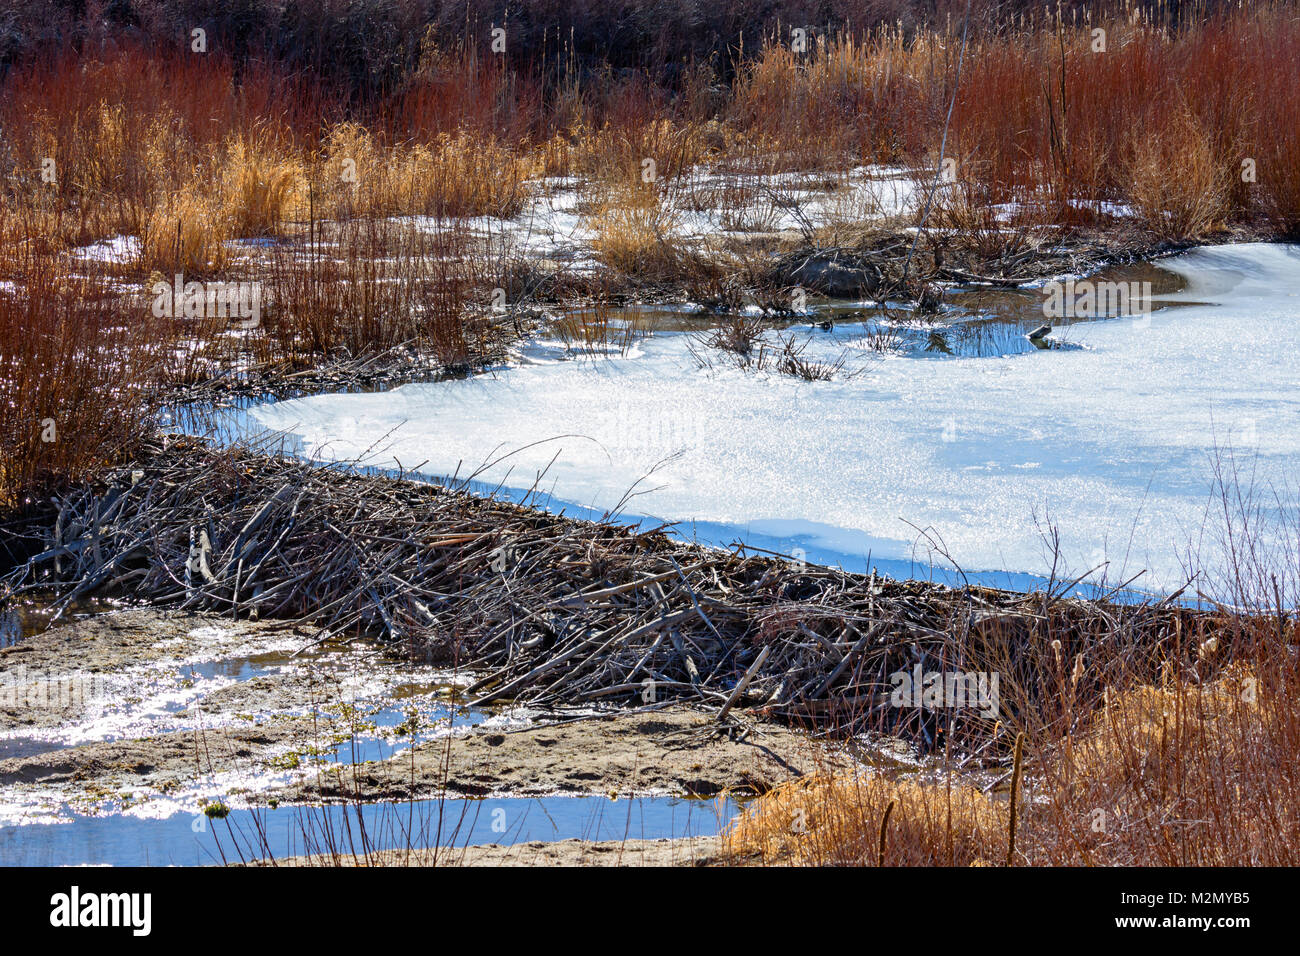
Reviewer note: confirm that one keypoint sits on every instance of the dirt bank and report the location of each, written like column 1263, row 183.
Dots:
column 158, row 763
column 74, row 670
column 688, row 851
column 196, row 708
column 677, row 750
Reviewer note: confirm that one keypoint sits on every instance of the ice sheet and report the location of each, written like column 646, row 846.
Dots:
column 1111, row 442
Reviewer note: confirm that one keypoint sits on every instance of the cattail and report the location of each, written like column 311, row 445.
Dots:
column 1015, row 795
column 884, row 822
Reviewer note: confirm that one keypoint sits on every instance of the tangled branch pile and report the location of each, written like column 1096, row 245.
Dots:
column 553, row 610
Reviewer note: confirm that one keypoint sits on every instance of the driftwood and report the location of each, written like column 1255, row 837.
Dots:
column 553, row 610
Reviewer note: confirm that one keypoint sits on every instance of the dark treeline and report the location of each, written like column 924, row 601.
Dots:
column 369, row 47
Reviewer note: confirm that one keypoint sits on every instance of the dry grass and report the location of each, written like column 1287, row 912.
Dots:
column 1177, row 181
column 837, row 820
column 1187, row 774
column 130, row 130
column 843, row 102
column 454, row 176
column 616, row 152
column 80, row 369
column 261, row 188
column 1162, row 120
column 186, row 233
column 633, row 229
column 1178, row 746
column 385, row 285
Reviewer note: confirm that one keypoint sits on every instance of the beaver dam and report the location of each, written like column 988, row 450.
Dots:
column 551, row 610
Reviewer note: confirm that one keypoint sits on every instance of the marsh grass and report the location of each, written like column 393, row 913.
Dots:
column 261, row 186
column 1196, row 201
column 376, row 284
column 186, row 233
column 744, row 341
column 458, row 175
column 189, row 155
column 1187, row 773
column 1162, row 121
column 633, row 228
column 597, row 330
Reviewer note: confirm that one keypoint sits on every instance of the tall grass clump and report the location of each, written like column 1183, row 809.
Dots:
column 261, row 186
column 1177, row 181
column 633, row 229
column 186, row 233
column 1180, row 774
column 455, row 175
column 845, row 101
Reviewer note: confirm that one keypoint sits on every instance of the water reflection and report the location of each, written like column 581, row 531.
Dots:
column 193, row 838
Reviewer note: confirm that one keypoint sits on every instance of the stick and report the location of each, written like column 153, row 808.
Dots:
column 744, row 682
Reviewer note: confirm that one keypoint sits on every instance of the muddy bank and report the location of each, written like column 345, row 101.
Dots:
column 159, row 763
column 174, row 712
column 687, row 851
column 175, row 709
column 677, row 750
column 72, row 671
column 671, row 752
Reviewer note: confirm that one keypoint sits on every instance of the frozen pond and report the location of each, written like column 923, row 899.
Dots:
column 1110, row 438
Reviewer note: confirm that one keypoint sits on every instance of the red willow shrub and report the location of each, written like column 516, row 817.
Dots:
column 80, row 370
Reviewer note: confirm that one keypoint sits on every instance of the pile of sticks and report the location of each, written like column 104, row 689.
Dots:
column 553, row 610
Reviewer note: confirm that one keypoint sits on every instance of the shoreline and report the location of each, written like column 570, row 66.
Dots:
column 247, row 743
column 672, row 749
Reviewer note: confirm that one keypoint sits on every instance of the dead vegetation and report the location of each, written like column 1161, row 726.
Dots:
column 375, row 226
column 77, row 382
column 1105, row 756
column 746, row 343
column 1190, row 771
